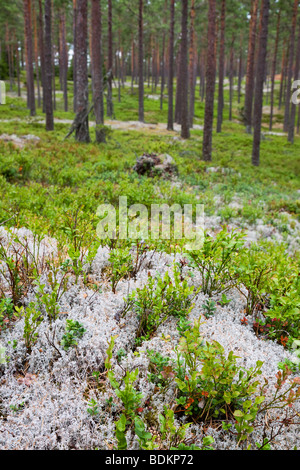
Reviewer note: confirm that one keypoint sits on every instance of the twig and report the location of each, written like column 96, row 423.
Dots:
column 4, row 222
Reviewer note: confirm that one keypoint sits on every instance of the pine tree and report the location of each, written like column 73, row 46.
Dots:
column 210, row 83
column 185, row 130
column 48, row 67
column 260, row 77
column 97, row 75
column 29, row 57
column 82, row 122
column 171, row 67
column 141, row 63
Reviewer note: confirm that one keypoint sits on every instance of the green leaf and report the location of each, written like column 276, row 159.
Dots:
column 238, row 414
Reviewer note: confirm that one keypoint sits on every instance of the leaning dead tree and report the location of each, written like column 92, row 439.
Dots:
column 80, row 120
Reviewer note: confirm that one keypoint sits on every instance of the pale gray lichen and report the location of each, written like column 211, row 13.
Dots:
column 49, row 410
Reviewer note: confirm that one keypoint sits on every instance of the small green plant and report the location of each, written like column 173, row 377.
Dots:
column 2, row 354
column 160, row 370
column 15, row 269
column 14, row 343
column 56, row 287
column 81, row 238
column 6, row 312
column 146, row 440
column 274, row 329
column 246, row 416
column 93, row 409
column 121, row 265
column 285, row 298
column 169, row 431
column 159, row 299
column 215, row 261
column 295, row 347
column 288, row 363
column 130, row 399
column 209, row 308
column 109, row 402
column 120, row 354
column 220, row 387
column 18, row 407
column 183, row 325
column 32, row 319
column 264, row 446
column 255, row 269
column 109, row 352
column 224, row 300
column 74, row 330
column 175, row 436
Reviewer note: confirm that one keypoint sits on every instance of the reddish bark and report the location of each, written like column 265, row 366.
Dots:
column 260, row 77
column 185, row 131
column 274, row 63
column 29, row 57
column 221, row 67
column 293, row 104
column 141, row 63
column 249, row 89
column 210, row 82
column 171, row 67
column 48, row 67
column 290, row 69
column 97, row 75
column 82, row 123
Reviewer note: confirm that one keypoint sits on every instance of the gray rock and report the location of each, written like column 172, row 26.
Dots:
column 153, row 165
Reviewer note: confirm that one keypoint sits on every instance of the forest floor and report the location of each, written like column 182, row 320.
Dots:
column 61, row 380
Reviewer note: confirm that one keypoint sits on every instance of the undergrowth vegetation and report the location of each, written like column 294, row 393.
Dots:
column 186, row 386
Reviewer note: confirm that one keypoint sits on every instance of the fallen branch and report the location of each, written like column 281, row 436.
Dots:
column 5, row 221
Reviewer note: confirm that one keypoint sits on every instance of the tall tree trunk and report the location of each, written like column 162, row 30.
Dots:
column 97, row 73
column 8, row 51
column 119, row 57
column 274, row 63
column 9, row 58
column 185, row 128
column 162, row 85
column 283, row 72
column 36, row 55
column 53, row 68
column 82, row 122
column 192, row 64
column 293, row 104
column 63, row 56
column 171, row 68
column 202, row 76
column 240, row 69
column 141, row 64
column 231, row 77
column 74, row 55
column 178, row 87
column 290, row 69
column 249, row 89
column 48, row 67
column 42, row 51
column 132, row 64
column 18, row 67
column 260, row 77
column 29, row 57
column 156, row 55
column 221, row 68
column 210, row 82
column 110, row 110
